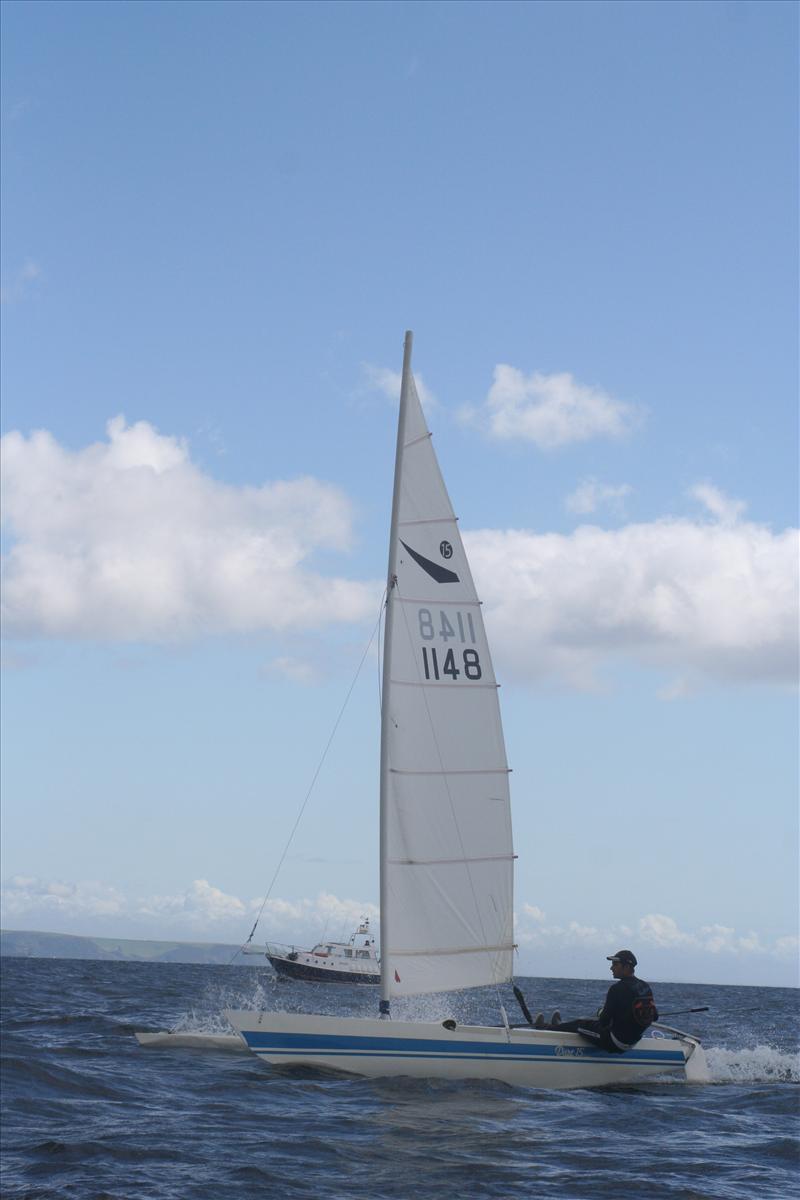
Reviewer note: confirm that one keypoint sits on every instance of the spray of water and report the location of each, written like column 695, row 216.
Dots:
column 207, row 1016
column 761, row 1064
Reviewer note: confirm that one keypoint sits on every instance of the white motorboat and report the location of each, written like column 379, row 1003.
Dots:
column 446, row 855
column 355, row 961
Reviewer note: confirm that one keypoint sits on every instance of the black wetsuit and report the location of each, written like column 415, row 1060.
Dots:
column 617, row 1026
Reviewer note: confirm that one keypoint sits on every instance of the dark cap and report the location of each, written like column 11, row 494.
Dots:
column 626, row 957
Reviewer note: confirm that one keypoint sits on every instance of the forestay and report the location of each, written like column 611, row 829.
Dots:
column 447, row 856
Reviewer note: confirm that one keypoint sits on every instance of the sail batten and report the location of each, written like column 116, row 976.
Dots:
column 442, row 686
column 447, row 853
column 441, row 771
column 427, row 521
column 441, row 862
column 444, row 951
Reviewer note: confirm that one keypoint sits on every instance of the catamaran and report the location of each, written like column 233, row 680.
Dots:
column 446, row 853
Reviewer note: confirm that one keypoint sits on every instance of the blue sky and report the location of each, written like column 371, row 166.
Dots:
column 218, row 221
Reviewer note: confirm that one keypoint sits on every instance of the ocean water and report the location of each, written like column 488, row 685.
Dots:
column 88, row 1113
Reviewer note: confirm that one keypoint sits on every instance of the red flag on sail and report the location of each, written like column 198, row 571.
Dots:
column 396, row 977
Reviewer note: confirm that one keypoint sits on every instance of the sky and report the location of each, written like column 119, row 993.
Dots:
column 218, row 221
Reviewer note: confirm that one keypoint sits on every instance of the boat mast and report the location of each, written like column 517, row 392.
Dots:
column 387, row 643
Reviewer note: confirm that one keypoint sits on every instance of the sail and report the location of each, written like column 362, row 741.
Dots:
column 447, row 856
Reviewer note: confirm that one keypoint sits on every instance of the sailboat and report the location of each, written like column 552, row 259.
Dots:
column 446, row 851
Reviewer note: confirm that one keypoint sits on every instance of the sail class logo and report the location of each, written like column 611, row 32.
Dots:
column 435, row 570
column 445, row 549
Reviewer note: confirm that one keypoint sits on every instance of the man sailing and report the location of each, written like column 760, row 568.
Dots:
column 628, row 1011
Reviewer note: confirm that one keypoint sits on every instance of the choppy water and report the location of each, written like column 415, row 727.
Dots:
column 87, row 1113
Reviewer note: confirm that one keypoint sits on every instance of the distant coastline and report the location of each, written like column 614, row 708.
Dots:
column 17, row 943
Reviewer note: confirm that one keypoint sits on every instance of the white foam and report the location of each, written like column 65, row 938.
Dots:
column 208, row 1018
column 761, row 1064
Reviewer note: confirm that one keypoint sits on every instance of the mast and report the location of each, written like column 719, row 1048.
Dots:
column 387, row 643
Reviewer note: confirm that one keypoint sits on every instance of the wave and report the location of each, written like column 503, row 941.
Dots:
column 761, row 1064
column 208, row 1017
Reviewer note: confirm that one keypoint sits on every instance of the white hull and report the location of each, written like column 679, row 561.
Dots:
column 192, row 1041
column 523, row 1057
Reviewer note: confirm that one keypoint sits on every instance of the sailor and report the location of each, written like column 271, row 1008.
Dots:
column 628, row 1010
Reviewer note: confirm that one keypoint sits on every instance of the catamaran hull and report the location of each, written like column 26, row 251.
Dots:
column 522, row 1057
column 297, row 970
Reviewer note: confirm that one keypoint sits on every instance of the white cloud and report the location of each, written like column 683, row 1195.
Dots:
column 654, row 931
column 285, row 920
column 590, row 494
column 128, row 539
column 788, row 947
column 200, row 909
column 702, row 599
column 25, row 894
column 201, row 905
column 552, row 410
column 205, row 912
column 659, row 930
column 723, row 507
column 387, row 381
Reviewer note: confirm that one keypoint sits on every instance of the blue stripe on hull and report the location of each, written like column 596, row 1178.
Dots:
column 335, row 1045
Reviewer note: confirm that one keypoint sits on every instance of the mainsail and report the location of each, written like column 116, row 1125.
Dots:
column 446, row 845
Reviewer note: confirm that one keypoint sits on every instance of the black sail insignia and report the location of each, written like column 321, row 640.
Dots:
column 435, row 570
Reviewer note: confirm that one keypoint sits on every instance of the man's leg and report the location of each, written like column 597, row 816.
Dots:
column 573, row 1026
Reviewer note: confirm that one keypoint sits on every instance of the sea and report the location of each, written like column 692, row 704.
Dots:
column 88, row 1113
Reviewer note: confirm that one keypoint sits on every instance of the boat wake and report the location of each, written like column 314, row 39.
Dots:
column 761, row 1064
column 205, row 1027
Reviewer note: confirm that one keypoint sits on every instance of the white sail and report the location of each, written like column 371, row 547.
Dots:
column 447, row 856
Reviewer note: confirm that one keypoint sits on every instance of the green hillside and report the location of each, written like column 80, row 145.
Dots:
column 34, row 944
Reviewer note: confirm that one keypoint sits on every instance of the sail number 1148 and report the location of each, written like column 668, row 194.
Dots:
column 440, row 665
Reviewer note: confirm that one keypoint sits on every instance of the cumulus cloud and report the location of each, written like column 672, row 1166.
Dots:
column 128, row 539
column 201, row 909
column 653, row 931
column 200, row 905
column 551, row 410
column 387, row 381
column 288, row 918
column 591, row 494
column 205, row 912
column 26, row 894
column 659, row 930
column 724, row 508
column 704, row 599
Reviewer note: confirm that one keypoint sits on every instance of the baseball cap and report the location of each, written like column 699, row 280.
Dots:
column 626, row 957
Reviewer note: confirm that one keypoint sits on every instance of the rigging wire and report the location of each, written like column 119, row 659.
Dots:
column 320, row 764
